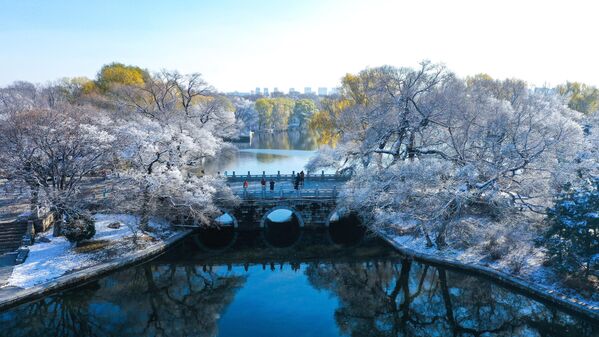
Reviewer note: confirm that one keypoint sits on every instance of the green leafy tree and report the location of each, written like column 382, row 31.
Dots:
column 573, row 239
column 282, row 109
column 581, row 97
column 303, row 111
column 264, row 107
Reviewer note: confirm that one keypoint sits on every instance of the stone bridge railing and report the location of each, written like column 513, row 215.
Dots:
column 309, row 176
column 297, row 195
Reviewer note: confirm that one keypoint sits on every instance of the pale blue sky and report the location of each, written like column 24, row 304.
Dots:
column 239, row 45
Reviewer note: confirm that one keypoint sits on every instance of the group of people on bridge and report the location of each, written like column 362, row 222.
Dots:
column 298, row 182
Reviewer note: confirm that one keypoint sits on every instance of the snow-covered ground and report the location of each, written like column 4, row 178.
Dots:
column 532, row 269
column 49, row 260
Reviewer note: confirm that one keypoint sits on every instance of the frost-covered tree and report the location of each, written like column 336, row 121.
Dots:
column 450, row 156
column 153, row 130
column 245, row 113
column 170, row 125
column 52, row 146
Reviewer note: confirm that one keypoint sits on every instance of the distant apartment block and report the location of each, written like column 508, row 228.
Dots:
column 257, row 92
column 307, row 91
column 322, row 91
column 265, row 91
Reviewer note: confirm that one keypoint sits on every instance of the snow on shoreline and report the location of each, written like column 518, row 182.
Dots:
column 49, row 260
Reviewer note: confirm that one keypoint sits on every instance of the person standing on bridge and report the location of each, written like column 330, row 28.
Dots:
column 302, row 179
column 272, row 185
column 245, row 185
column 296, row 181
column 263, row 183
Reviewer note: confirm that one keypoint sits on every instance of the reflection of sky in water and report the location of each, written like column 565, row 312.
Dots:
column 281, row 303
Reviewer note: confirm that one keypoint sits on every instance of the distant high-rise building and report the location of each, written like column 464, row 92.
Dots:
column 333, row 91
column 292, row 91
column 276, row 90
column 265, row 91
column 307, row 91
column 322, row 91
column 257, row 91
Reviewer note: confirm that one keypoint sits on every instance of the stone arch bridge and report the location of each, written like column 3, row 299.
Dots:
column 312, row 204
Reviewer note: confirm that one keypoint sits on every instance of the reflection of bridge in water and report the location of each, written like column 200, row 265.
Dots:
column 311, row 205
column 252, row 247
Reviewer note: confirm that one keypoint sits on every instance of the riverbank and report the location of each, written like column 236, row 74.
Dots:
column 544, row 292
column 49, row 268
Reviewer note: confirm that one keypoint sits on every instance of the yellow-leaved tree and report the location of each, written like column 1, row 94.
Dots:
column 118, row 73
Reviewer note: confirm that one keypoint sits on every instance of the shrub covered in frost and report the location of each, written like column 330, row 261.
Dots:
column 79, row 227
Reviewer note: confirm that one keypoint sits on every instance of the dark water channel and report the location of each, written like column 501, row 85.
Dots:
column 237, row 284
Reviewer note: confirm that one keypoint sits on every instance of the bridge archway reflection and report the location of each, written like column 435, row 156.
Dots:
column 282, row 227
column 345, row 227
column 221, row 235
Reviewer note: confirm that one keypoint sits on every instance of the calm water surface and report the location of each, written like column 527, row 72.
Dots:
column 268, row 152
column 313, row 289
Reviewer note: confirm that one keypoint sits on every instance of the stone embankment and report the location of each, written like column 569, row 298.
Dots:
column 519, row 285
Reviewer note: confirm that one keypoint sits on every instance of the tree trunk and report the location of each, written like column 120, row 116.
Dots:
column 57, row 227
column 440, row 239
column 33, row 208
column 145, row 210
column 411, row 147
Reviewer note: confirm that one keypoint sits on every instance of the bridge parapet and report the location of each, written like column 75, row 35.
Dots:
column 309, row 176
column 301, row 194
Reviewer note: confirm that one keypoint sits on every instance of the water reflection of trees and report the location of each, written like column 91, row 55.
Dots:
column 291, row 140
column 146, row 301
column 410, row 299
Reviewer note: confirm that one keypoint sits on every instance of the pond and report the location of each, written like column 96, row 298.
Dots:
column 314, row 289
column 268, row 152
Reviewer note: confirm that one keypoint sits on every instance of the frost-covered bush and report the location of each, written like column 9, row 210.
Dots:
column 79, row 227
column 573, row 239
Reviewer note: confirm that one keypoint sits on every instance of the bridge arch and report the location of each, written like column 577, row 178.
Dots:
column 228, row 212
column 293, row 211
column 282, row 234
column 347, row 230
column 219, row 237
